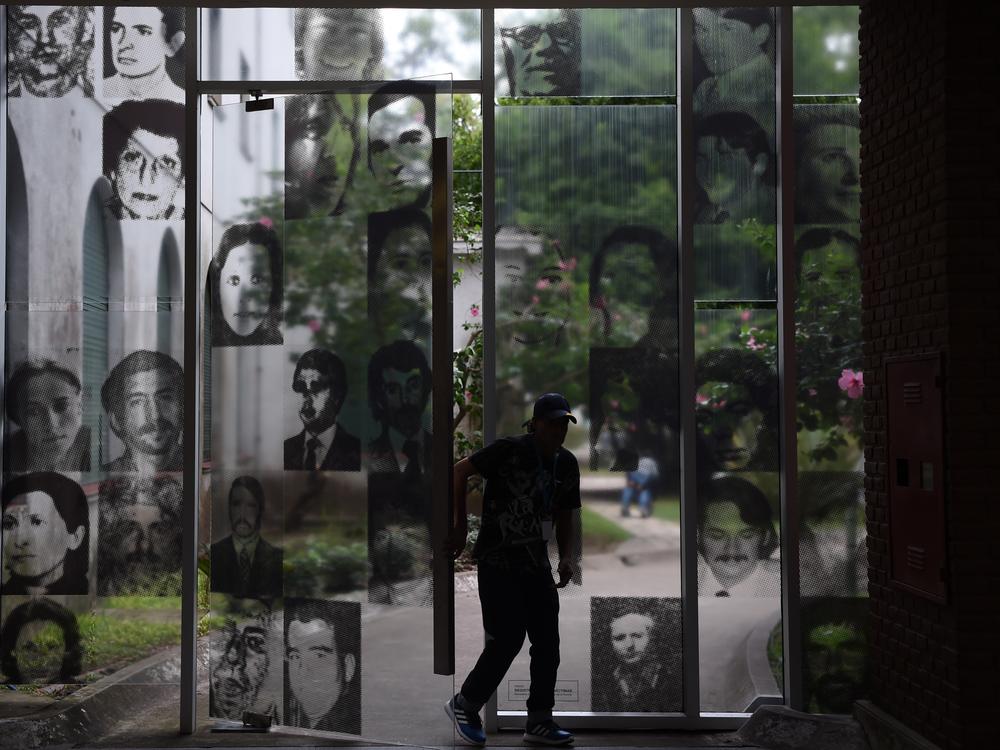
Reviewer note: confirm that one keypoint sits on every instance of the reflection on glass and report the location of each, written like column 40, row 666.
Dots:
column 401, row 121
column 835, row 648
column 399, row 274
column 338, row 44
column 40, row 643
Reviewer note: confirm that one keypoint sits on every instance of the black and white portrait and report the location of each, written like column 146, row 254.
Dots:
column 734, row 63
column 143, row 157
column 44, row 400
column 734, row 169
column 49, row 50
column 399, row 388
column 827, row 164
column 401, row 119
column 338, row 44
column 835, row 649
column 320, row 388
column 244, row 659
column 46, row 535
column 143, row 52
column 635, row 654
column 543, row 58
column 40, row 644
column 737, row 540
column 399, row 273
column 246, row 287
column 534, row 287
column 140, row 536
column 736, row 410
column 143, row 397
column 633, row 289
column 323, row 665
column 243, row 562
column 322, row 152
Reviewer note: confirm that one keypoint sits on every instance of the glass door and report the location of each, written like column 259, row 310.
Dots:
column 328, row 224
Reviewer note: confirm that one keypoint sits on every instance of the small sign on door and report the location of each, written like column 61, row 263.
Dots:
column 567, row 691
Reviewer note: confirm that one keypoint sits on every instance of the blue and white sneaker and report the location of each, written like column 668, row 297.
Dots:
column 467, row 723
column 547, row 733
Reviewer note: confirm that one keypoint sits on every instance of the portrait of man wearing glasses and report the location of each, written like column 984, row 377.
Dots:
column 543, row 59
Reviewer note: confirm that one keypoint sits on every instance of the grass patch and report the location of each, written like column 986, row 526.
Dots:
column 667, row 509
column 141, row 602
column 598, row 532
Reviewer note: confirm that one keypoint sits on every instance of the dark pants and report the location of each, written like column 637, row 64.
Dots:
column 516, row 603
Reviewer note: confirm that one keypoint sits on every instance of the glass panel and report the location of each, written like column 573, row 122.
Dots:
column 585, row 52
column 339, row 44
column 586, row 301
column 320, row 309
column 93, row 333
column 826, row 50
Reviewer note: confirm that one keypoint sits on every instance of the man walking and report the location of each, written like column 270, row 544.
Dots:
column 532, row 486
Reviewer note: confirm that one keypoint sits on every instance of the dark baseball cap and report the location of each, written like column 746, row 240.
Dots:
column 552, row 406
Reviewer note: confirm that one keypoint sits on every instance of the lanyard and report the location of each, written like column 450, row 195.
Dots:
column 548, row 488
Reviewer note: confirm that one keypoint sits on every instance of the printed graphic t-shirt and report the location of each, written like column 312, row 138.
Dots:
column 522, row 495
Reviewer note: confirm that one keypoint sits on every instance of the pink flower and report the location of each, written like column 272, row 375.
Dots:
column 813, row 391
column 567, row 265
column 314, row 325
column 474, row 311
column 745, row 316
column 468, row 395
column 535, row 299
column 614, row 404
column 542, row 284
column 266, row 222
column 853, row 383
column 701, row 399
column 754, row 345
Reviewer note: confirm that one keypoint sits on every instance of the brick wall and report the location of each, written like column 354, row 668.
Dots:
column 930, row 151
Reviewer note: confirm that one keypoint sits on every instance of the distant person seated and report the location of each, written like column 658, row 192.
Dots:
column 736, row 538
column 640, row 483
column 243, row 563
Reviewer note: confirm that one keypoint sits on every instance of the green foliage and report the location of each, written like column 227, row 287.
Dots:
column 826, row 50
column 317, row 567
column 599, row 533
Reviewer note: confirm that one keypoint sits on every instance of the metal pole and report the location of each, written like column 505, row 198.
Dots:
column 487, row 102
column 192, row 381
column 686, row 322
column 787, row 380
column 442, row 346
column 3, row 203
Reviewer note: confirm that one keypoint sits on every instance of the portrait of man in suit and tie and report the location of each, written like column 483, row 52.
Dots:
column 243, row 563
column 399, row 386
column 320, row 384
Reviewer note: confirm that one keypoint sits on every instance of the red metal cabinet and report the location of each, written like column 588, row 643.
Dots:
column 915, row 394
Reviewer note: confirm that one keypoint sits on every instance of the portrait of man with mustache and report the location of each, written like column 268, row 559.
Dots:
column 243, row 563
column 144, row 399
column 399, row 386
column 736, row 538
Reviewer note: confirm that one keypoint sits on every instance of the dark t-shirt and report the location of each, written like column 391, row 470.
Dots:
column 520, row 501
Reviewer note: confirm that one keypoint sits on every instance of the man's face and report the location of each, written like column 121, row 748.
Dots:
column 317, row 674
column 51, row 414
column 148, row 175
column 726, row 43
column 551, row 433
column 244, row 513
column 245, row 284
column 545, row 56
column 399, row 149
column 148, row 532
column 827, row 181
column 729, row 423
column 35, row 538
column 137, row 41
column 319, row 408
column 242, row 667
column 835, row 261
column 312, row 172
column 40, row 648
column 731, row 546
column 403, row 395
column 727, row 175
column 336, row 44
column 405, row 268
column 150, row 422
column 630, row 637
column 50, row 46
column 836, row 656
